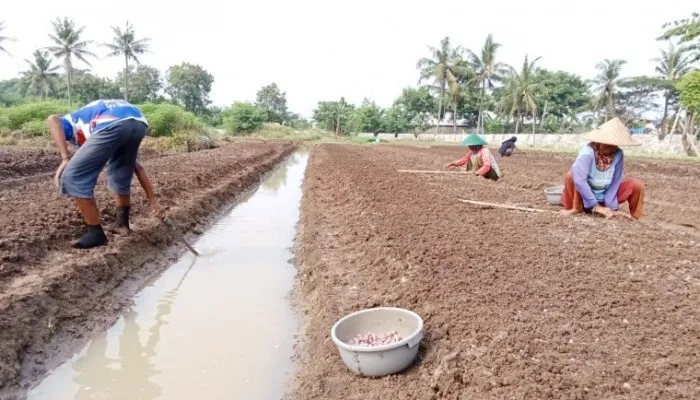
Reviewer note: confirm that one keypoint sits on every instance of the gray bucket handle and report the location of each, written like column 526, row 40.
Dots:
column 415, row 340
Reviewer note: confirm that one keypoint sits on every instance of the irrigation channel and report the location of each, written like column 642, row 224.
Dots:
column 217, row 326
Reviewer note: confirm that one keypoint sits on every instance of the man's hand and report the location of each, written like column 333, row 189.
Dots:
column 158, row 211
column 449, row 166
column 59, row 172
column 604, row 211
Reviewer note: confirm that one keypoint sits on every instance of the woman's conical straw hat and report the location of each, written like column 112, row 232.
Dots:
column 613, row 132
column 473, row 140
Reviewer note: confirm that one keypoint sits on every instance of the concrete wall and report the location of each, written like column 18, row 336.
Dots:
column 650, row 143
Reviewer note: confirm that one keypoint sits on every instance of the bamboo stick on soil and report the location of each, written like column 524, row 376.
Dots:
column 505, row 206
column 428, row 171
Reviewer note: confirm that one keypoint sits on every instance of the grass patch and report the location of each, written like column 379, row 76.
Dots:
column 366, row 140
column 26, row 139
column 183, row 142
column 279, row 132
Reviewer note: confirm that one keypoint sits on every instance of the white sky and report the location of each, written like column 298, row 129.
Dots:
column 323, row 49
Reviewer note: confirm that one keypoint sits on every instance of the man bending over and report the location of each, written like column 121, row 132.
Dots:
column 106, row 132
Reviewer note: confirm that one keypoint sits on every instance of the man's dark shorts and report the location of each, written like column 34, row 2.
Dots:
column 117, row 146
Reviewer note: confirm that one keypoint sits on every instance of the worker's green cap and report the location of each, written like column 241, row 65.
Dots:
column 473, row 140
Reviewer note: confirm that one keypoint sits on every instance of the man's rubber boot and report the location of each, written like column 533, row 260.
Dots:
column 121, row 225
column 94, row 237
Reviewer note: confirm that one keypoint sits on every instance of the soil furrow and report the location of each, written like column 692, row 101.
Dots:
column 517, row 305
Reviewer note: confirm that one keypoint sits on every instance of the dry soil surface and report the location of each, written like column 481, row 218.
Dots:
column 51, row 293
column 516, row 305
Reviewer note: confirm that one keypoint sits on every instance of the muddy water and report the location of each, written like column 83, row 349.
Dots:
column 220, row 326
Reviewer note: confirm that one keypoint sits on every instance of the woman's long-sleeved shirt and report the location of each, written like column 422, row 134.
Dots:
column 486, row 157
column 507, row 145
column 596, row 186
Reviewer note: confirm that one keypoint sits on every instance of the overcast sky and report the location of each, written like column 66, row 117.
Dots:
column 324, row 49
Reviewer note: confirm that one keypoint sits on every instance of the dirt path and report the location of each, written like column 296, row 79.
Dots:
column 516, row 305
column 51, row 294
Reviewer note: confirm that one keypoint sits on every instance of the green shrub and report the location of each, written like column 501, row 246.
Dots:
column 311, row 137
column 181, row 141
column 166, row 119
column 17, row 116
column 35, row 128
column 243, row 118
column 4, row 121
column 494, row 126
column 277, row 131
column 213, row 116
column 193, row 141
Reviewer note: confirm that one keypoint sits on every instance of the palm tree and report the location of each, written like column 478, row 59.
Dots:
column 687, row 31
column 607, row 83
column 125, row 44
column 461, row 80
column 4, row 39
column 342, row 113
column 42, row 75
column 487, row 71
column 445, row 68
column 521, row 91
column 68, row 43
column 673, row 64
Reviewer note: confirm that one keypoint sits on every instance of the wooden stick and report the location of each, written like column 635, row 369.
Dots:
column 184, row 241
column 507, row 207
column 427, row 171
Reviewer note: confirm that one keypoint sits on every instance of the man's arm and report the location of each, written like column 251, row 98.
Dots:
column 58, row 136
column 145, row 182
column 148, row 188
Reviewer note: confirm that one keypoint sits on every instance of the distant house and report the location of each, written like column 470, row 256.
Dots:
column 446, row 125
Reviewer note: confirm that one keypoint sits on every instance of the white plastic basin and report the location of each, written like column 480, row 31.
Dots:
column 380, row 360
column 553, row 195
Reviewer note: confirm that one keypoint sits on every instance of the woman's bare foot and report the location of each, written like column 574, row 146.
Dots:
column 623, row 215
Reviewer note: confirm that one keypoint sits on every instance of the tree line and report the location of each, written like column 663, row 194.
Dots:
column 54, row 72
column 475, row 89
column 470, row 87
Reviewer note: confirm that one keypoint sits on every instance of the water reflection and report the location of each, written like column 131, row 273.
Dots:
column 129, row 373
column 279, row 178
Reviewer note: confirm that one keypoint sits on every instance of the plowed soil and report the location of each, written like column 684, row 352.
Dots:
column 51, row 293
column 516, row 305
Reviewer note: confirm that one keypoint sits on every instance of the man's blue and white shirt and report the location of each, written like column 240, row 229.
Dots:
column 98, row 115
